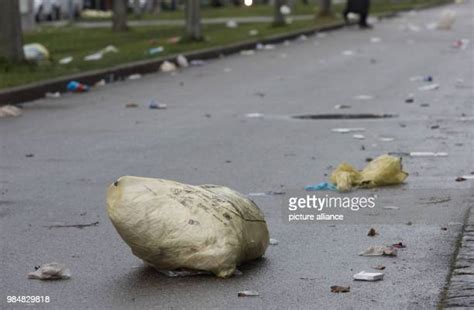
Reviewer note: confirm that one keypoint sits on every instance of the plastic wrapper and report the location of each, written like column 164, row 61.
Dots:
column 175, row 226
column 382, row 171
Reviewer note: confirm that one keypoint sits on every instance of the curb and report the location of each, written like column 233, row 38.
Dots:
column 460, row 291
column 37, row 90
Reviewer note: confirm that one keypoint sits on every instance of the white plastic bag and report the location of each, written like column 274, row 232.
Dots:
column 170, row 225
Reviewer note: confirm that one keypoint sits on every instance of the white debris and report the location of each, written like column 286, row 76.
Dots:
column 428, row 154
column 379, row 251
column 363, row 97
column 347, row 130
column 321, row 35
column 254, row 115
column 100, row 83
column 285, row 10
column 101, row 53
column 391, row 207
column 368, row 276
column 51, row 271
column 253, row 32
column 274, row 241
column 231, row 24
column 182, row 61
column 135, row 76
column 35, row 52
column 65, row 60
column 93, row 57
column 248, row 293
column 386, row 139
column 447, row 19
column 302, row 37
column 468, row 177
column 167, row 66
column 52, row 95
column 247, row 52
column 109, row 49
column 348, row 53
column 358, row 136
column 375, row 40
column 429, row 87
column 197, row 63
column 9, row 111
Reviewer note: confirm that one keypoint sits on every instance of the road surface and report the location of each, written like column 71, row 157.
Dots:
column 58, row 158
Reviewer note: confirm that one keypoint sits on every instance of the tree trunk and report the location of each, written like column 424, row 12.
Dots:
column 119, row 18
column 11, row 39
column 325, row 8
column 278, row 17
column 193, row 20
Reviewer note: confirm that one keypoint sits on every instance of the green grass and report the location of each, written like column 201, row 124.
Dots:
column 134, row 44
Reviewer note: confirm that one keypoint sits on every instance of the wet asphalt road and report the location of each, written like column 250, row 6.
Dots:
column 82, row 143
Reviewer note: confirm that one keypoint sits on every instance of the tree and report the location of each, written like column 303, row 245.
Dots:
column 278, row 17
column 325, row 8
column 119, row 18
column 11, row 39
column 193, row 20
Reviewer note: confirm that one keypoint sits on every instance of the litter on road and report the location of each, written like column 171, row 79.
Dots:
column 372, row 232
column 382, row 171
column 399, row 245
column 254, row 115
column 347, row 130
column 131, row 105
column 447, row 19
column 323, row 186
column 197, row 62
column 274, row 241
column 358, row 136
column 182, row 61
column 157, row 106
column 171, row 215
column 9, row 111
column 340, row 289
column 247, row 52
column 429, row 87
column 51, row 271
column 378, row 267
column 80, row 226
column 53, row 95
column 379, row 251
column 76, row 87
column 136, row 76
column 342, row 106
column 167, row 66
column 363, row 97
column 248, row 293
column 368, row 276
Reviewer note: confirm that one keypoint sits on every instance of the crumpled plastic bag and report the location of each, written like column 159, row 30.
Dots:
column 382, row 171
column 35, row 52
column 170, row 225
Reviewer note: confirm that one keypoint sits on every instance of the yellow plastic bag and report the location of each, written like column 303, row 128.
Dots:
column 170, row 225
column 382, row 171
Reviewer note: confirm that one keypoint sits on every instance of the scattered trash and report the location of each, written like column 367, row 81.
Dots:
column 174, row 40
column 399, row 245
column 378, row 267
column 375, row 40
column 434, row 127
column 135, row 76
column 347, row 130
column 460, row 179
column 131, row 105
column 253, row 32
column 386, row 139
column 170, row 216
column 323, row 186
column 428, row 154
column 51, row 271
column 76, row 87
column 98, row 55
column 409, row 223
column 269, row 193
column 358, row 136
column 80, row 226
column 93, row 57
column 410, row 98
column 427, row 78
column 444, row 228
column 182, row 61
column 274, row 241
column 29, row 155
column 348, row 53
column 231, row 24
column 35, row 52
column 157, row 106
column 302, row 37
column 382, row 171
column 66, row 60
column 368, row 276
column 183, row 273
column 155, row 50
column 248, row 294
column 167, row 66
column 340, row 289
column 247, row 52
column 364, row 97
column 254, row 115
column 372, row 232
column 429, row 87
column 467, row 177
column 446, row 20
column 391, row 208
column 100, row 83
column 52, row 95
column 342, row 106
column 197, row 62
column 461, row 44
column 285, row 10
column 379, row 251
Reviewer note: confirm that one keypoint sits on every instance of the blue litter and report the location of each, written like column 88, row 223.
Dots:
column 321, row 187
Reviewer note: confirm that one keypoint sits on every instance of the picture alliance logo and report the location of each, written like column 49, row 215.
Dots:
column 330, row 205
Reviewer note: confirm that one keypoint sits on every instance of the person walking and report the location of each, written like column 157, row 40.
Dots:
column 360, row 7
